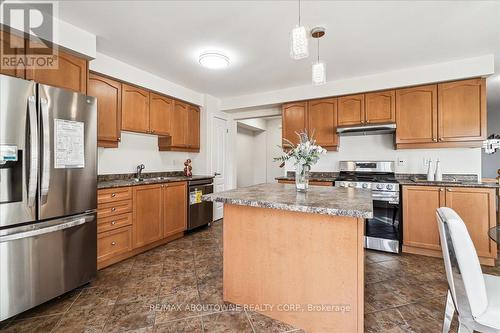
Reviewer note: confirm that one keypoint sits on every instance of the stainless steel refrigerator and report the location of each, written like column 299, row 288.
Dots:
column 48, row 195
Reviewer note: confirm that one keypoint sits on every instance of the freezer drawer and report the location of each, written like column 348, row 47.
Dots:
column 42, row 261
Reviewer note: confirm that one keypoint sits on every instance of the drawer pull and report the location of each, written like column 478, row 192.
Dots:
column 113, row 195
column 113, row 243
column 113, row 222
column 113, row 209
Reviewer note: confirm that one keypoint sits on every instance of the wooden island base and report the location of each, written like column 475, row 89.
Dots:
column 284, row 259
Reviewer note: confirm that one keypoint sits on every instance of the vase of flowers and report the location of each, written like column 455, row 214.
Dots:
column 305, row 154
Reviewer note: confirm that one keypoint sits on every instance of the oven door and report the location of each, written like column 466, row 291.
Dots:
column 383, row 231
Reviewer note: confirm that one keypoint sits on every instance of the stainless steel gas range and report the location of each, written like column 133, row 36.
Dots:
column 383, row 232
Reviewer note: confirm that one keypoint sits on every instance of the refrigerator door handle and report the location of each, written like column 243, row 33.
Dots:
column 45, row 181
column 33, row 151
column 45, row 230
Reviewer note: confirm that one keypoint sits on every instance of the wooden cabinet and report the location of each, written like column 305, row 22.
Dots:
column 109, row 109
column 380, row 107
column 462, row 111
column 322, row 122
column 193, row 137
column 476, row 207
column 135, row 109
column 70, row 73
column 148, row 224
column 179, row 135
column 113, row 243
column 351, row 110
column 443, row 115
column 12, row 45
column 174, row 196
column 416, row 115
column 294, row 118
column 160, row 114
column 419, row 216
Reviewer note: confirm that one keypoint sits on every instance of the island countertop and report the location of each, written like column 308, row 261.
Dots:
column 318, row 199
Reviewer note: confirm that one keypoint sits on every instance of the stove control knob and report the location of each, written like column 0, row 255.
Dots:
column 352, row 185
column 389, row 186
column 380, row 186
column 365, row 185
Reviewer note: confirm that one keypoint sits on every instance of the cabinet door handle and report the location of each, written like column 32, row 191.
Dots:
column 113, row 195
column 441, row 189
column 113, row 243
column 367, row 121
column 119, row 139
column 448, row 189
column 435, row 140
column 113, row 209
column 113, row 223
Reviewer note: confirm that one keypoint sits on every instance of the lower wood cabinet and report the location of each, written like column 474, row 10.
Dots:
column 134, row 219
column 174, row 197
column 476, row 206
column 147, row 226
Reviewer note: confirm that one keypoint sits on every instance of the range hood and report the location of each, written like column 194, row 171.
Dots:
column 366, row 129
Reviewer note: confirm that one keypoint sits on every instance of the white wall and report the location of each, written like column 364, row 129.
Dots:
column 381, row 147
column 250, row 157
column 273, row 141
column 134, row 150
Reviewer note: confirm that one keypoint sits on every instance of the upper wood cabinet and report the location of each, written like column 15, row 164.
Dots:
column 174, row 196
column 462, row 110
column 380, row 107
column 179, row 134
column 442, row 115
column 294, row 120
column 71, row 73
column 351, row 110
column 12, row 45
column 135, row 109
column 160, row 114
column 147, row 214
column 476, row 207
column 416, row 115
column 109, row 100
column 193, row 137
column 322, row 122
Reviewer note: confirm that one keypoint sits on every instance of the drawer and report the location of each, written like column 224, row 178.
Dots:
column 114, row 222
column 114, row 208
column 114, row 242
column 114, row 194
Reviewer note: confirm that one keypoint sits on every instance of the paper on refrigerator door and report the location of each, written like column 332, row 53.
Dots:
column 69, row 144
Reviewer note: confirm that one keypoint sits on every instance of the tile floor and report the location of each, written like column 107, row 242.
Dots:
column 149, row 293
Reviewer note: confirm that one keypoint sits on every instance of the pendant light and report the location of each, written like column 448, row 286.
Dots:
column 299, row 48
column 318, row 68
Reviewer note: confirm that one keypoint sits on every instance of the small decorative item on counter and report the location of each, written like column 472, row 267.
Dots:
column 438, row 175
column 304, row 155
column 188, row 168
column 430, row 173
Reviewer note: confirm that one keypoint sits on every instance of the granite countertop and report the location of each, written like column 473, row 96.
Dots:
column 448, row 184
column 102, row 184
column 320, row 200
column 313, row 178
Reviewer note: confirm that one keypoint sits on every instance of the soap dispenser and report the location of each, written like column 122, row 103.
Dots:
column 438, row 175
column 430, row 173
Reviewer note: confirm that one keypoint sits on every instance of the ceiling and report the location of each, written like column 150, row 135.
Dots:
column 362, row 37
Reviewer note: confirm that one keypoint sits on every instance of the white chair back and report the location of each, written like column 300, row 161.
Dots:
column 463, row 269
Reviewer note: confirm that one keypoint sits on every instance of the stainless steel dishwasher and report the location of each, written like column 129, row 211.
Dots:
column 199, row 212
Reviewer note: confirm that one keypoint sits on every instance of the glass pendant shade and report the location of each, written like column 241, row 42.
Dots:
column 319, row 73
column 298, row 43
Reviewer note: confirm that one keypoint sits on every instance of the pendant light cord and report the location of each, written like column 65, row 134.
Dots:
column 299, row 13
column 318, row 50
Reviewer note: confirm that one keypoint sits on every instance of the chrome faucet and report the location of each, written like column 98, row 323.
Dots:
column 140, row 167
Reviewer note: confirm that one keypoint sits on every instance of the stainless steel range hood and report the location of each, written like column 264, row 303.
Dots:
column 366, row 129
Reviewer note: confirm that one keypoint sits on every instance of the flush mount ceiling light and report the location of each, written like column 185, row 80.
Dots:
column 318, row 68
column 213, row 60
column 299, row 48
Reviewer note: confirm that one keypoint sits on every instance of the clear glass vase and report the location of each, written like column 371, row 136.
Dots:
column 301, row 177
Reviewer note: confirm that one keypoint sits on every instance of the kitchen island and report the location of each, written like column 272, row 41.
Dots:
column 296, row 257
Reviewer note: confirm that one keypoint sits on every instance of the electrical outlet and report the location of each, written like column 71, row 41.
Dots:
column 426, row 161
column 401, row 162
